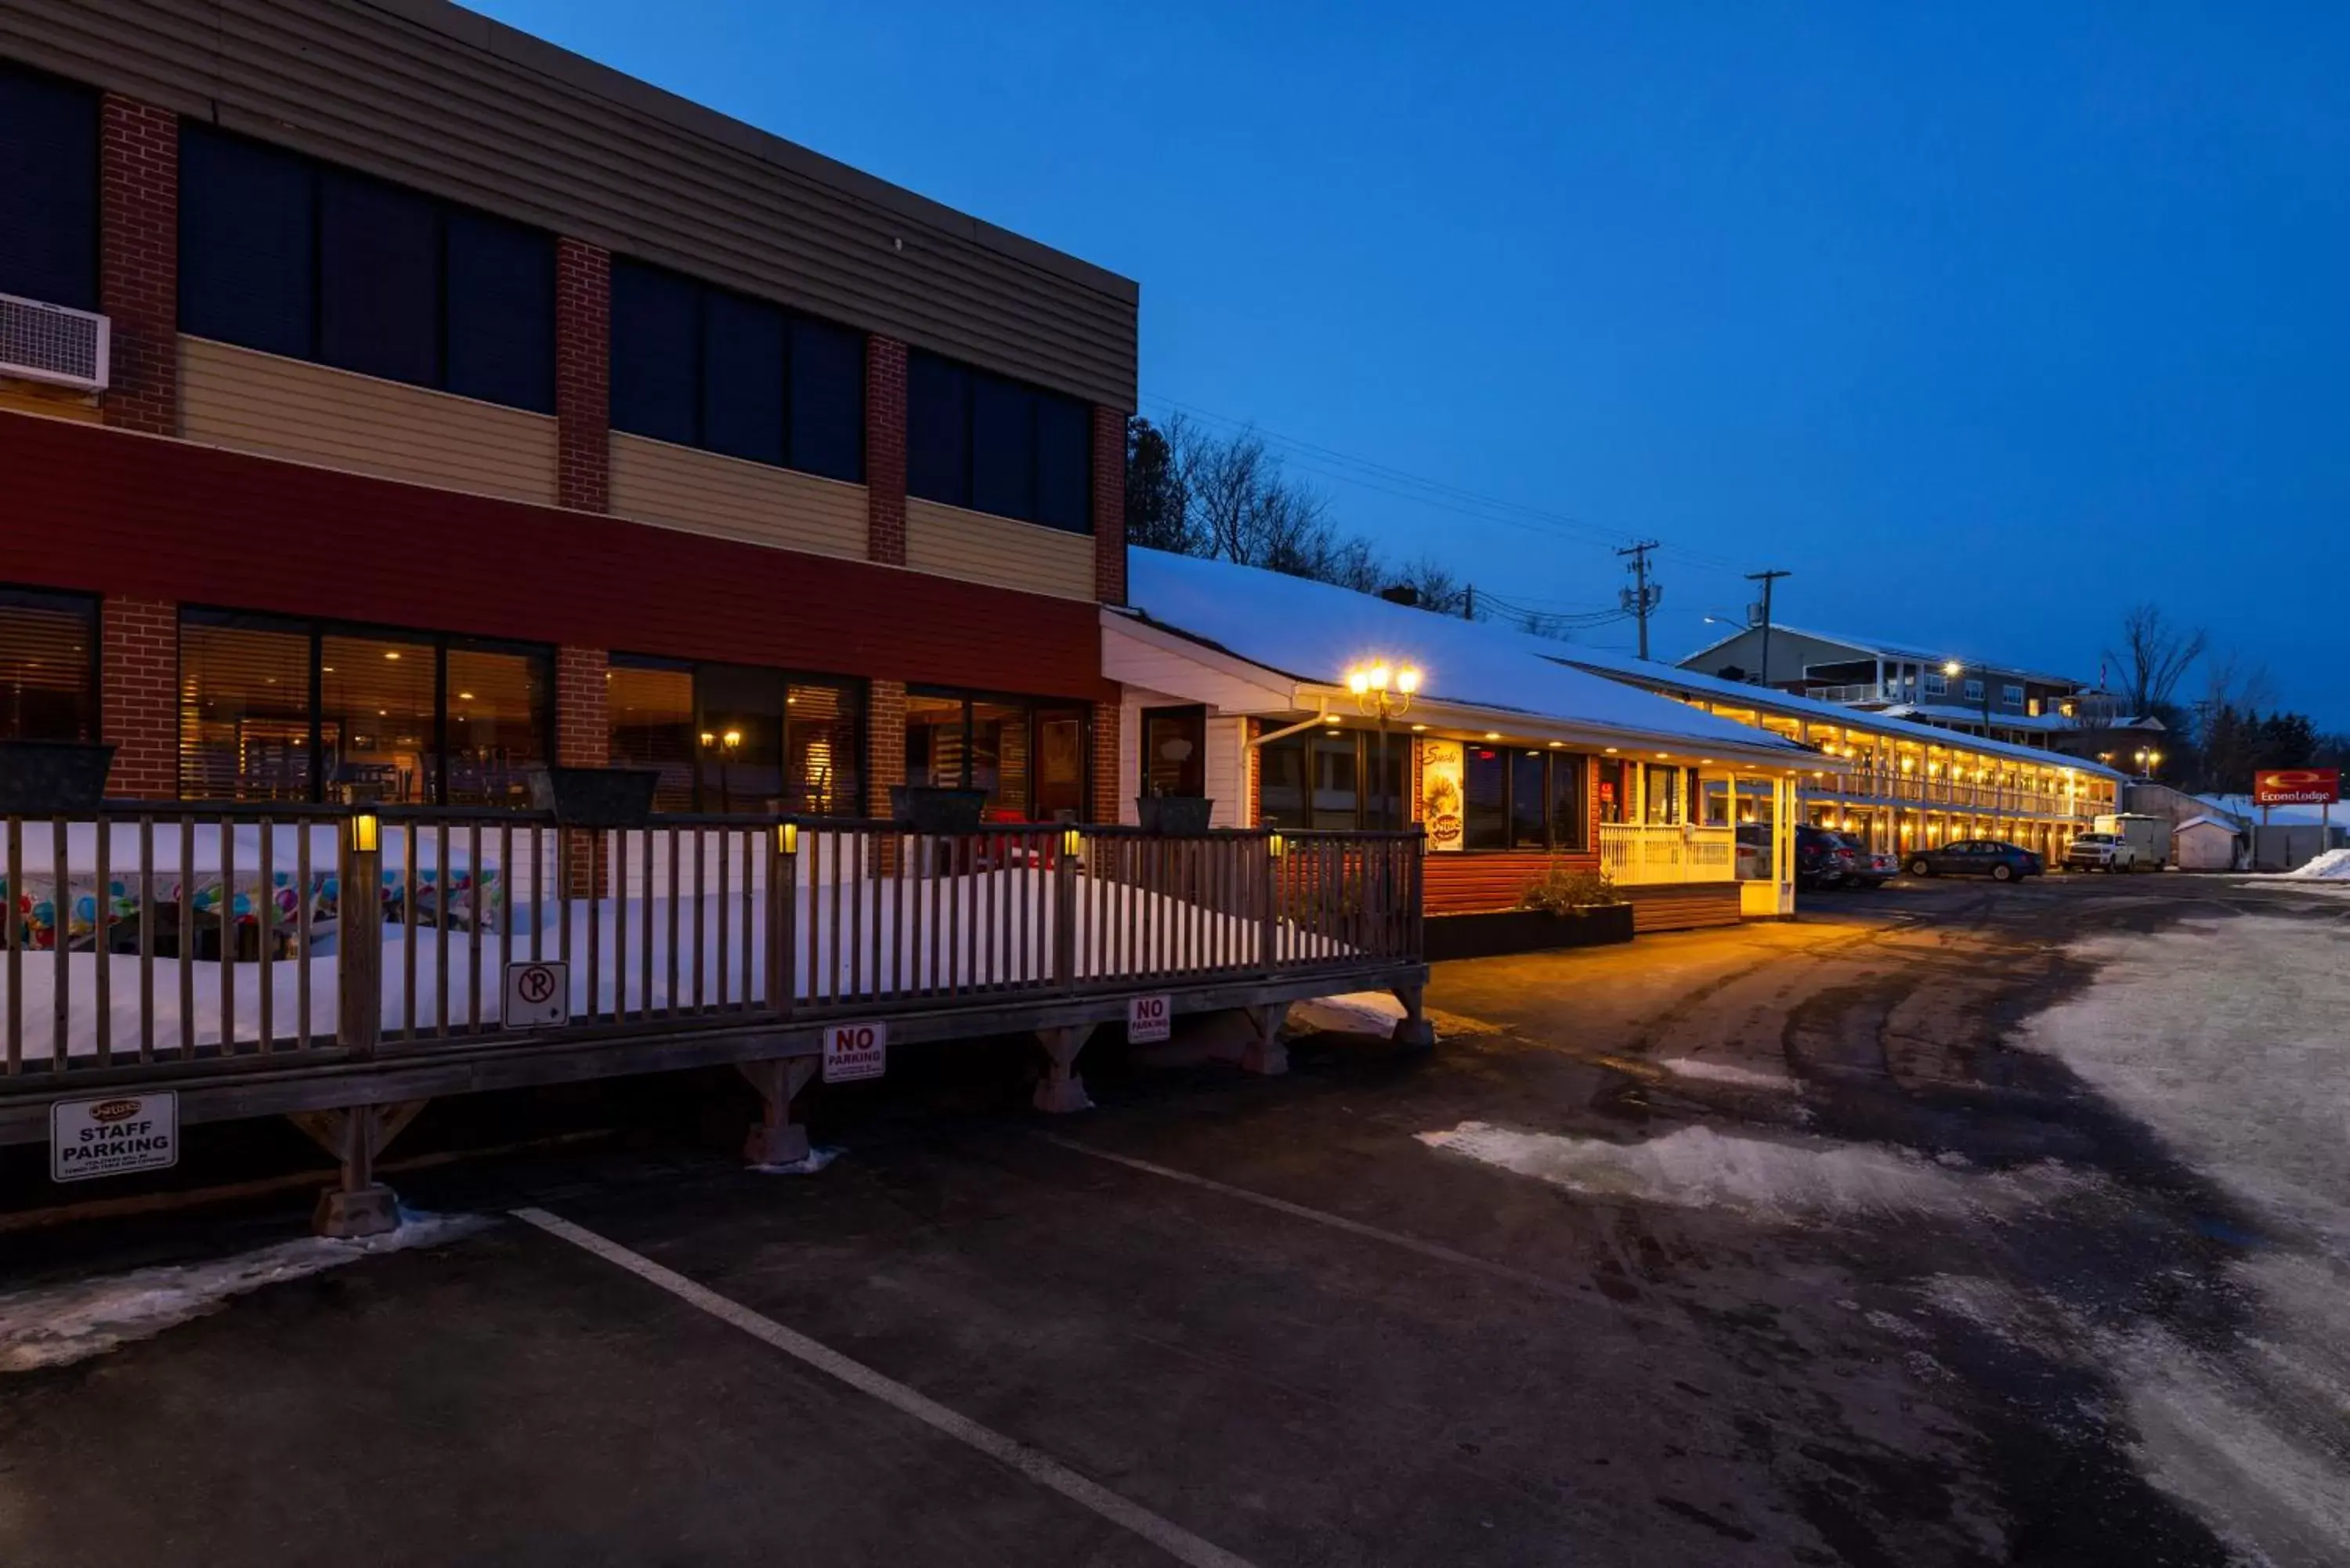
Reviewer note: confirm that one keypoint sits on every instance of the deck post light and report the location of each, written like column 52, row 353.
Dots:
column 1383, row 692
column 367, row 833
column 787, row 838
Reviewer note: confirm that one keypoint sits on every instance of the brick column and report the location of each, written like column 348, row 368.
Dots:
column 139, row 262
column 583, row 375
column 884, row 451
column 1106, row 743
column 137, row 684
column 885, row 743
column 1109, row 505
column 583, row 738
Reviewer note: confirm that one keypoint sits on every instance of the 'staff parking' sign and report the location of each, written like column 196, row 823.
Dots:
column 1147, row 1018
column 2297, row 786
column 854, row 1051
column 114, row 1135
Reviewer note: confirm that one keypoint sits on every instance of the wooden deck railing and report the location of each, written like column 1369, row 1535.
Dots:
column 194, row 936
column 1649, row 853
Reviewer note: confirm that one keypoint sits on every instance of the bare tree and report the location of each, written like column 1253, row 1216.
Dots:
column 2155, row 655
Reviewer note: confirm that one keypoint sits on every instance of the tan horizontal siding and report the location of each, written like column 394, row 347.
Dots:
column 954, row 543
column 288, row 408
column 450, row 102
column 704, row 492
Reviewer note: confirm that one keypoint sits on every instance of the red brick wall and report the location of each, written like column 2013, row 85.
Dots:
column 139, row 262
column 583, row 375
column 884, row 451
column 1106, row 743
column 885, row 742
column 583, row 731
column 142, row 518
column 138, row 672
column 1109, row 506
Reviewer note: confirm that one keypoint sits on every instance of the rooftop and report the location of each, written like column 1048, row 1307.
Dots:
column 1890, row 648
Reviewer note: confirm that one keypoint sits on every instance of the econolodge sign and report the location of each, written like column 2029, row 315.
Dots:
column 113, row 1136
column 2297, row 786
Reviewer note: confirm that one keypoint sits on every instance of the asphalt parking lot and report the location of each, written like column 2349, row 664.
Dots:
column 1447, row 1309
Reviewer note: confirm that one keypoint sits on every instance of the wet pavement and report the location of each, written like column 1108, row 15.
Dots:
column 1781, row 1244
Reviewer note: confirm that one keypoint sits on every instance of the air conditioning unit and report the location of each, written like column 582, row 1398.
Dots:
column 50, row 343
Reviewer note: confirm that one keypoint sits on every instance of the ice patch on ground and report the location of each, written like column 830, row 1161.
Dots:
column 808, row 1164
column 2333, row 866
column 1784, row 1178
column 1727, row 1073
column 52, row 1325
column 1355, row 1012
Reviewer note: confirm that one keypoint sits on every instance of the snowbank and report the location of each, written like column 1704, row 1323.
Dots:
column 2333, row 866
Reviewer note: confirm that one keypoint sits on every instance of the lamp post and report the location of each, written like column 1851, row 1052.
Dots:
column 2148, row 759
column 1386, row 692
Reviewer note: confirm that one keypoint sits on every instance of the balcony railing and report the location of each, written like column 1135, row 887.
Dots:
column 1940, row 794
column 203, row 936
column 1646, row 852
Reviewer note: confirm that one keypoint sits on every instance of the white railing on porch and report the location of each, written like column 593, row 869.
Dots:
column 1644, row 853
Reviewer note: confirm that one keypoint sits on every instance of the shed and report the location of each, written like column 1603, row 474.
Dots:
column 2207, row 844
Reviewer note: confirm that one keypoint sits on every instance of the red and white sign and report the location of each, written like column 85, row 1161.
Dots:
column 854, row 1051
column 1147, row 1018
column 2297, row 786
column 113, row 1136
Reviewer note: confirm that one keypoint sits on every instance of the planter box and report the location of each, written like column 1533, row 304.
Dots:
column 52, row 778
column 595, row 798
column 1503, row 931
column 928, row 808
column 1177, row 816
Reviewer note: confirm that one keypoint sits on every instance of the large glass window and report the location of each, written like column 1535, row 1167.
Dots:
column 1570, row 814
column 1661, row 794
column 1521, row 799
column 282, row 253
column 272, row 709
column 1529, row 801
column 49, row 198
column 993, row 444
column 1029, row 757
column 1331, row 779
column 739, row 738
column 48, row 667
column 1485, row 794
column 702, row 366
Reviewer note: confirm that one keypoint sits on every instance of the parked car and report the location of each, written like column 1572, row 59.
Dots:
column 1976, row 857
column 1871, row 868
column 2104, row 852
column 1822, row 860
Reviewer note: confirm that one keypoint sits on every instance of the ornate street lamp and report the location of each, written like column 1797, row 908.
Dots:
column 1383, row 692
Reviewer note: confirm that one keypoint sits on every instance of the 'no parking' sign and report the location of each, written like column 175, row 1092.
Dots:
column 854, row 1051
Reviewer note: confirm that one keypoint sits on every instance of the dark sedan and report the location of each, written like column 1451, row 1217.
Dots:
column 1976, row 857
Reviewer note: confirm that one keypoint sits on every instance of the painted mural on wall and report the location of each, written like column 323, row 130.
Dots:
column 1439, row 793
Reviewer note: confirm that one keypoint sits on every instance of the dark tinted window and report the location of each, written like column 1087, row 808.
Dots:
column 248, row 244
column 656, row 339
column 1064, row 468
column 1529, row 801
column 48, row 196
column 1569, row 822
column 742, row 377
column 1281, row 784
column 828, row 401
column 501, row 301
column 379, row 279
column 1485, row 794
column 938, row 430
column 1002, row 446
column 48, row 667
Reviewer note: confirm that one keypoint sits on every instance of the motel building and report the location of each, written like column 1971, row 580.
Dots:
column 1256, row 690
column 1895, row 785
column 414, row 433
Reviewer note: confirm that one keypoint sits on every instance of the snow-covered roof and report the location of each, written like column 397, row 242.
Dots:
column 1964, row 713
column 2225, row 826
column 1673, row 679
column 1312, row 632
column 2278, row 816
column 1873, row 646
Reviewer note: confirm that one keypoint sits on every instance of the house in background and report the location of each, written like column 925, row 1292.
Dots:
column 1997, row 702
column 1235, row 686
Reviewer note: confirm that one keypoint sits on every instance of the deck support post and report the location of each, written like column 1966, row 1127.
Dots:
column 358, row 1204
column 1413, row 1032
column 1061, row 1090
column 1265, row 1054
column 774, row 1138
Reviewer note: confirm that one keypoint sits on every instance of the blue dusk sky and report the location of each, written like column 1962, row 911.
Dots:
column 1984, row 320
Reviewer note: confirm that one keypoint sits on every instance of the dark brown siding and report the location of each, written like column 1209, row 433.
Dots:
column 453, row 103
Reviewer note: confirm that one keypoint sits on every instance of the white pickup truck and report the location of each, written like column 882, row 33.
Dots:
column 2129, row 841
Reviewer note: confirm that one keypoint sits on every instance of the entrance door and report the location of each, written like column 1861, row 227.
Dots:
column 1060, row 764
column 1175, row 750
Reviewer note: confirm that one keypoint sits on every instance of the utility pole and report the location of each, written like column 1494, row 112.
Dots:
column 1644, row 597
column 1469, row 601
column 1766, row 579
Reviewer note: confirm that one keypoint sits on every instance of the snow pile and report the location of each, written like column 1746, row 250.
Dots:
column 1697, row 1168
column 52, row 1325
column 1729, row 1073
column 1356, row 1013
column 2333, row 866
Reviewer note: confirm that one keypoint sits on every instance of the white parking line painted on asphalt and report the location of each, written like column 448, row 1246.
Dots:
column 1434, row 1249
column 1165, row 1534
